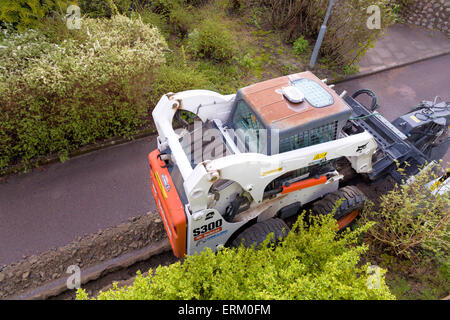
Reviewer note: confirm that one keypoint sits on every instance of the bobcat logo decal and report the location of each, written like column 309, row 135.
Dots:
column 361, row 148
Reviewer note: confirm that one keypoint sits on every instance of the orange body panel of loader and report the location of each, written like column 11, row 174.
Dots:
column 169, row 204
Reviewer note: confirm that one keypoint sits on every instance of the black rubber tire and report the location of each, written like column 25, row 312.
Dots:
column 254, row 235
column 353, row 199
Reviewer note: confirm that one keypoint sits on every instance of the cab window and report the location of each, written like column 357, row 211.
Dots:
column 247, row 127
column 308, row 138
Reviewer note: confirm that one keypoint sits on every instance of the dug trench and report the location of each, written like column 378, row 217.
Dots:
column 22, row 280
column 116, row 254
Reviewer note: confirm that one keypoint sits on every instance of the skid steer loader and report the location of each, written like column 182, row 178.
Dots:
column 237, row 165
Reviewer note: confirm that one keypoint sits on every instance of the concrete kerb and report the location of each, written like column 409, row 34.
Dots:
column 115, row 141
column 391, row 66
column 59, row 286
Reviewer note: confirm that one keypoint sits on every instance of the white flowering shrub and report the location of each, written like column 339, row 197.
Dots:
column 58, row 96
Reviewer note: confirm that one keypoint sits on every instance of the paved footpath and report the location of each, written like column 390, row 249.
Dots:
column 403, row 44
column 51, row 207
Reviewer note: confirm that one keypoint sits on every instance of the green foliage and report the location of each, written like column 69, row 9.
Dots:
column 149, row 17
column 400, row 287
column 410, row 219
column 25, row 14
column 347, row 37
column 176, row 78
column 397, row 13
column 58, row 96
column 196, row 3
column 287, row 69
column 233, row 6
column 181, row 19
column 213, row 41
column 172, row 17
column 424, row 280
column 300, row 45
column 351, row 69
column 311, row 263
column 247, row 61
column 104, row 8
column 225, row 77
column 164, row 7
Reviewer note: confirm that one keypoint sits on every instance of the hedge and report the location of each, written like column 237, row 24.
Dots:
column 314, row 262
column 57, row 94
column 412, row 221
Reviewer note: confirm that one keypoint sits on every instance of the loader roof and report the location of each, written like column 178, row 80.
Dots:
column 276, row 111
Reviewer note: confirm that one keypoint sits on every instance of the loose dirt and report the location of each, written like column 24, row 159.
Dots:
column 37, row 270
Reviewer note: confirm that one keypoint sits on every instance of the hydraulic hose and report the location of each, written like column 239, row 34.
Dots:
column 371, row 94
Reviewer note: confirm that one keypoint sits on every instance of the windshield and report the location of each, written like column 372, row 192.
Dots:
column 248, row 129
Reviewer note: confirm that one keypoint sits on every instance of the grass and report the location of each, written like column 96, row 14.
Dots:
column 422, row 279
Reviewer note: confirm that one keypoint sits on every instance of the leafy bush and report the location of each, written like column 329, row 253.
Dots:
column 351, row 69
column 103, row 8
column 347, row 37
column 300, row 45
column 164, row 7
column 174, row 16
column 225, row 77
column 156, row 20
column 247, row 61
column 397, row 13
column 25, row 14
column 212, row 40
column 177, row 77
column 311, row 263
column 181, row 20
column 56, row 97
column 409, row 218
column 197, row 3
column 234, row 6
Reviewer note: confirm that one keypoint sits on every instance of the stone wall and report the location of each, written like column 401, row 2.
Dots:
column 430, row 14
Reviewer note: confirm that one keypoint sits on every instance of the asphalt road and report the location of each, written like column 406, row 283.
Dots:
column 51, row 207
